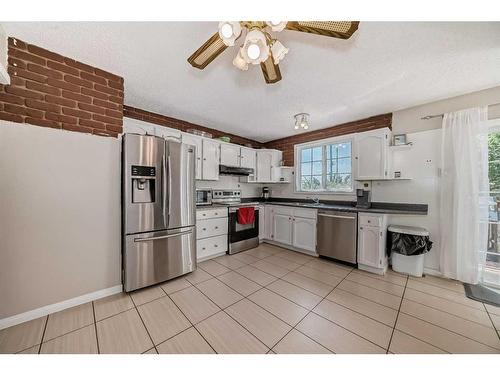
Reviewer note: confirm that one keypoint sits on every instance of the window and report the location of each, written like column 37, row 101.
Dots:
column 325, row 167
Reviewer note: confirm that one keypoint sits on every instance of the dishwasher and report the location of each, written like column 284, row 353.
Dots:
column 337, row 234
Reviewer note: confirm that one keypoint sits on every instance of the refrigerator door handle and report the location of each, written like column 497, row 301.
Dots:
column 163, row 237
column 164, row 191
column 169, row 168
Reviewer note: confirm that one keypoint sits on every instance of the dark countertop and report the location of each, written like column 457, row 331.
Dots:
column 348, row 206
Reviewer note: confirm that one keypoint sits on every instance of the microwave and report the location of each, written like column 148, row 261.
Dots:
column 203, row 197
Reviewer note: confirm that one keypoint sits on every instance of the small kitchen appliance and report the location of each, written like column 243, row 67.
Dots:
column 203, row 197
column 363, row 198
column 265, row 193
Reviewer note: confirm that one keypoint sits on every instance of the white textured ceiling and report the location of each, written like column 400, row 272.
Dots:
column 385, row 66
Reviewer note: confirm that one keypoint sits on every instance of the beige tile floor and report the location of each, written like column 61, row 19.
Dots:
column 271, row 300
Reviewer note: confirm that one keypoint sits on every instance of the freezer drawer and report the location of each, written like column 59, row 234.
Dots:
column 150, row 258
column 336, row 235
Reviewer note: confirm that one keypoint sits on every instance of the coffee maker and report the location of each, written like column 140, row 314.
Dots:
column 266, row 193
column 363, row 198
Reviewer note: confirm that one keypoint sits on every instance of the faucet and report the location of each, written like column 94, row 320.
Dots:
column 315, row 200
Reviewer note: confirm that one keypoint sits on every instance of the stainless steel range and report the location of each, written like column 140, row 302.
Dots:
column 241, row 236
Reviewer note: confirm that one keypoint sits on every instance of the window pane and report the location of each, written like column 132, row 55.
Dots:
column 305, row 183
column 305, row 169
column 317, row 154
column 331, row 166
column 316, row 182
column 338, row 182
column 344, row 150
column 344, row 165
column 331, row 151
column 317, row 167
column 306, row 155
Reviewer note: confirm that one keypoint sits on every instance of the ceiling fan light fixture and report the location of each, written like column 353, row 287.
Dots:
column 239, row 61
column 229, row 31
column 276, row 26
column 255, row 49
column 279, row 51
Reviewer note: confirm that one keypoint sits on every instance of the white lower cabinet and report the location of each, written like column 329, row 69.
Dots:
column 372, row 236
column 304, row 233
column 211, row 233
column 282, row 228
column 262, row 222
column 295, row 227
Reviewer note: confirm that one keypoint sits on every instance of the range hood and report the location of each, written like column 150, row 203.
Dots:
column 235, row 171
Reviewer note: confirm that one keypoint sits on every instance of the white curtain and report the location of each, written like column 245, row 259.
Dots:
column 464, row 202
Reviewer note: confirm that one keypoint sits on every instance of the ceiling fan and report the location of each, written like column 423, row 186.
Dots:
column 259, row 46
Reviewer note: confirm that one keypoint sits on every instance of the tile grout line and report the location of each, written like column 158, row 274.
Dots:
column 397, row 316
column 492, row 323
column 311, row 311
column 262, row 287
column 95, row 329
column 43, row 334
column 144, row 324
column 445, row 329
column 192, row 325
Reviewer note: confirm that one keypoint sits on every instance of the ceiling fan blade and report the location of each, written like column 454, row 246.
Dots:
column 335, row 29
column 271, row 72
column 207, row 52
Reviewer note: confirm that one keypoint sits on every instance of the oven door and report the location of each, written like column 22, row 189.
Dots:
column 239, row 232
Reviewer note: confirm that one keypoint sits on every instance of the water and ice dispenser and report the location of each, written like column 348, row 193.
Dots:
column 143, row 184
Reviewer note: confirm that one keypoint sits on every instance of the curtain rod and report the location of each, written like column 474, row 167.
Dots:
column 428, row 117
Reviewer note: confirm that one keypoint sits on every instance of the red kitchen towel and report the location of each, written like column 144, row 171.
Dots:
column 246, row 215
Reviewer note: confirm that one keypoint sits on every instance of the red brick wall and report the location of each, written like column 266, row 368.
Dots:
column 182, row 125
column 286, row 145
column 51, row 90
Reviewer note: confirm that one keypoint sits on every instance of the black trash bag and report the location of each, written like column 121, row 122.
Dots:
column 408, row 244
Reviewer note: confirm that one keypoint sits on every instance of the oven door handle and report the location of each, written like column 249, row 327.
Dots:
column 236, row 209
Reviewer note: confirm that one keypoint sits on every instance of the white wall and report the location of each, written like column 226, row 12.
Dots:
column 421, row 162
column 59, row 216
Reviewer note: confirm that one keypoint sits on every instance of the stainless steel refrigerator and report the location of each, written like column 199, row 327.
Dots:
column 158, row 210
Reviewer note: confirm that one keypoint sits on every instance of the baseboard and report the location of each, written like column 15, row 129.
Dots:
column 50, row 309
column 432, row 272
column 279, row 244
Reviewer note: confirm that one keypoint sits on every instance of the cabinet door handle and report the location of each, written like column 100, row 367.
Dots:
column 216, row 213
column 203, row 228
column 216, row 227
column 360, row 228
column 216, row 245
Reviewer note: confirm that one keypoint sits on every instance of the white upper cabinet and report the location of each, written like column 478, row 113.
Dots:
column 197, row 142
column 168, row 133
column 372, row 154
column 210, row 159
column 268, row 166
column 131, row 125
column 248, row 158
column 230, row 154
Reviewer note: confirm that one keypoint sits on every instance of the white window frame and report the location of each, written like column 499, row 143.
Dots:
column 319, row 143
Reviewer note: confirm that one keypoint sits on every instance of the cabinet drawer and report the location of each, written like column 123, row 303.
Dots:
column 305, row 213
column 283, row 210
column 211, row 213
column 370, row 220
column 211, row 227
column 211, row 246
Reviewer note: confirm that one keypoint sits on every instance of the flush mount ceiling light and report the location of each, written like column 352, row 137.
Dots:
column 259, row 46
column 301, row 121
